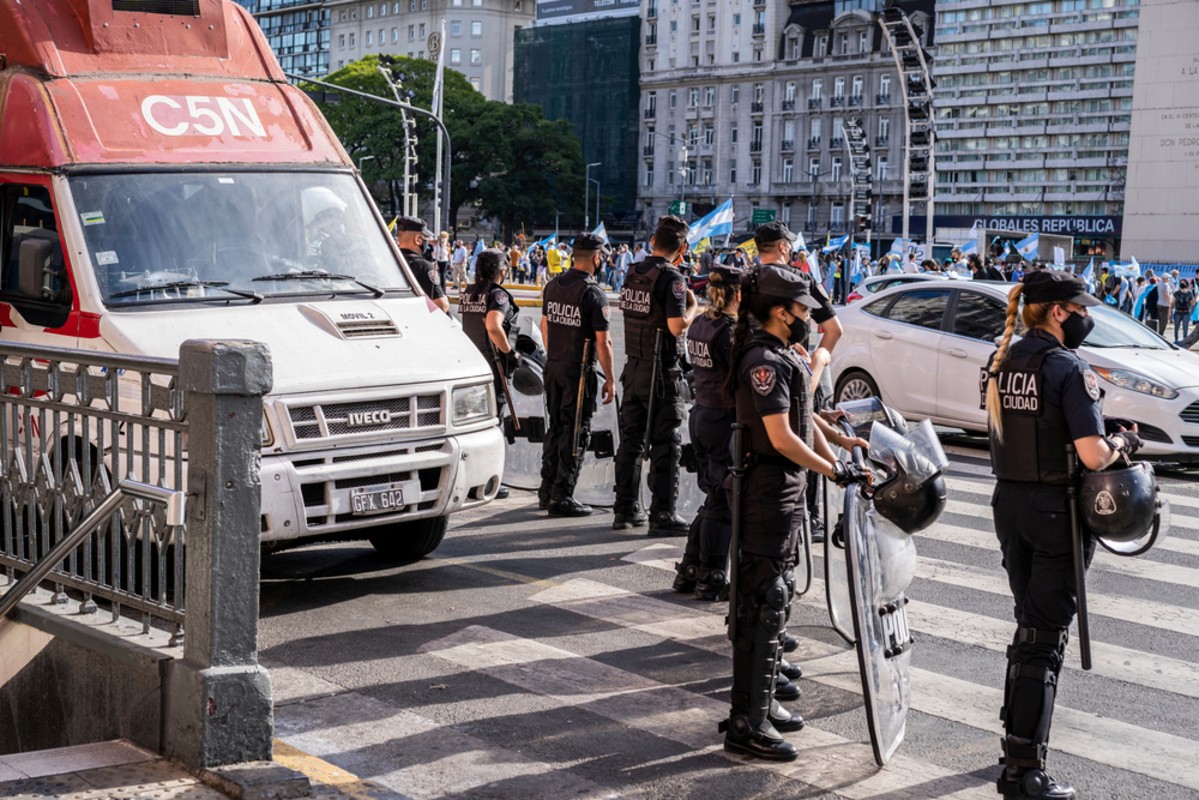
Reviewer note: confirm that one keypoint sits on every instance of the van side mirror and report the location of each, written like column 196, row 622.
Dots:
column 38, row 278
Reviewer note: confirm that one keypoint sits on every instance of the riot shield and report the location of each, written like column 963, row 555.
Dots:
column 836, row 577
column 881, row 563
column 522, row 457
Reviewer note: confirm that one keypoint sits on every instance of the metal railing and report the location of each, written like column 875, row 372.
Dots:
column 73, row 426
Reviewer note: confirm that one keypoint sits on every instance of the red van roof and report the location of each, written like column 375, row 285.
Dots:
column 83, row 82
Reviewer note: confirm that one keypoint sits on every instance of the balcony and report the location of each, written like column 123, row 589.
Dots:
column 881, row 141
column 788, row 105
column 647, row 150
column 836, row 143
column 814, row 143
column 652, row 11
column 651, row 40
column 755, row 146
column 650, row 113
column 759, row 29
column 855, row 99
column 837, row 101
column 814, row 102
column 756, row 107
column 882, row 99
column 787, row 144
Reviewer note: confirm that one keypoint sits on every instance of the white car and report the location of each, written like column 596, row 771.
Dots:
column 876, row 283
column 921, row 346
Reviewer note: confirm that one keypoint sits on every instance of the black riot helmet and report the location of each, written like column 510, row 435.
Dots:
column 1122, row 507
column 914, row 494
column 911, row 504
column 528, row 377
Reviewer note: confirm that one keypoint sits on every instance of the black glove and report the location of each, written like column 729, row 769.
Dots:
column 511, row 360
column 1127, row 442
column 847, row 473
column 1116, row 424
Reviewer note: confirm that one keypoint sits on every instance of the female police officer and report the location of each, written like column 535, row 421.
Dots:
column 1040, row 398
column 488, row 312
column 772, row 395
column 703, row 569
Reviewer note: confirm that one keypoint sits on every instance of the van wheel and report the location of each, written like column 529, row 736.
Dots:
column 410, row 540
column 856, row 385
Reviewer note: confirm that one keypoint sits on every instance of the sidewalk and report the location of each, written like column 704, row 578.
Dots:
column 118, row 770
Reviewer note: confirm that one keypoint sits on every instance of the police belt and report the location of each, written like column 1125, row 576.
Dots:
column 764, row 460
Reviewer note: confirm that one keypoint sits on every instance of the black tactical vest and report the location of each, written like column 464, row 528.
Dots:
column 708, row 349
column 643, row 318
column 1035, row 433
column 564, row 318
column 800, row 414
column 472, row 310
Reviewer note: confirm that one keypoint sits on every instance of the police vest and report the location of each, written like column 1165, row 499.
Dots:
column 708, row 349
column 564, row 318
column 472, row 310
column 1035, row 433
column 799, row 415
column 643, row 318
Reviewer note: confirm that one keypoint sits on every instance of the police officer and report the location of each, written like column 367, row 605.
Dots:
column 412, row 236
column 704, row 564
column 658, row 307
column 773, row 399
column 574, row 312
column 1040, row 397
column 488, row 312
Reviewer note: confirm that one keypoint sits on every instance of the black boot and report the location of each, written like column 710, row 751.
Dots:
column 711, row 584
column 817, row 528
column 792, row 671
column 666, row 523
column 762, row 742
column 625, row 519
column 785, row 721
column 790, row 643
column 569, row 507
column 785, row 690
column 1035, row 784
column 543, row 496
column 685, row 579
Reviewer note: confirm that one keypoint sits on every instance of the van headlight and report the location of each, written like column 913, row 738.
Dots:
column 1136, row 382
column 268, row 438
column 473, row 403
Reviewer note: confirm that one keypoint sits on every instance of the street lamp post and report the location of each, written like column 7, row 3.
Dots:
column 364, row 158
column 597, row 197
column 587, row 196
column 682, row 157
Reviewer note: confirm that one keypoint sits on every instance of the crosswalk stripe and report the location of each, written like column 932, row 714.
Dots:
column 827, row 761
column 1080, row 733
column 1143, row 568
column 1110, row 661
column 1126, row 609
column 1159, row 755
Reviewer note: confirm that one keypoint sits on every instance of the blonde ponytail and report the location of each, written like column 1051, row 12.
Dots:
column 994, row 414
column 721, row 297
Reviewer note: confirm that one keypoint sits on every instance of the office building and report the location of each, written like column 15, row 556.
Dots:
column 298, row 32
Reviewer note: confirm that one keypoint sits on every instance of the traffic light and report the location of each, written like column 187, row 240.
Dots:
column 863, row 221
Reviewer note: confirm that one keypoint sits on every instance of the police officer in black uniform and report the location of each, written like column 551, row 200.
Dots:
column 703, row 569
column 574, row 311
column 772, row 393
column 1040, row 397
column 658, row 307
column 488, row 311
column 413, row 234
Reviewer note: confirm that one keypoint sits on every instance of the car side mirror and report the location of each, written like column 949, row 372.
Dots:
column 38, row 278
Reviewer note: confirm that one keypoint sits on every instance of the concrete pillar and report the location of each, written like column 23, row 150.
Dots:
column 218, row 698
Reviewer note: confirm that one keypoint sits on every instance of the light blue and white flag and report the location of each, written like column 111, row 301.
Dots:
column 717, row 223
column 814, row 267
column 601, row 232
column 1027, row 246
column 553, row 237
column 897, row 247
column 1088, row 275
column 969, row 248
column 835, row 244
column 855, row 272
column 800, row 244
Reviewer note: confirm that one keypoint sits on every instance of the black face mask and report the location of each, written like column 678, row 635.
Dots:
column 800, row 331
column 1075, row 330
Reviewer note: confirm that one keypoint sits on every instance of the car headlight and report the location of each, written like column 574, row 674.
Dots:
column 1136, row 382
column 473, row 403
column 268, row 438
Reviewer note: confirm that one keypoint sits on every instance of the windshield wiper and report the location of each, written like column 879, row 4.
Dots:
column 316, row 274
column 156, row 287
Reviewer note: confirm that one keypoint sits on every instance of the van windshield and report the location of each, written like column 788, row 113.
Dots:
column 184, row 237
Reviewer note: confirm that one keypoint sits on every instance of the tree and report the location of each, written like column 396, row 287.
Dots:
column 507, row 159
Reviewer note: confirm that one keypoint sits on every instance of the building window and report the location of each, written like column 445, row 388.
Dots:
column 789, row 92
column 670, row 177
column 476, row 56
column 837, row 215
column 863, row 42
column 370, row 12
column 822, row 47
column 411, row 33
column 835, row 173
column 351, row 39
column 649, row 175
column 476, row 28
column 706, row 175
column 811, row 216
column 474, row 84
column 456, row 28
column 882, row 168
column 838, row 88
column 788, row 170
column 395, row 35
column 844, row 43
column 695, row 24
column 813, row 168
column 856, row 91
column 353, row 14
column 815, row 130
column 734, row 95
column 424, row 5
column 736, row 19
column 759, row 92
column 709, row 134
column 455, row 56
column 755, row 176
column 692, row 97
column 711, row 22
column 383, row 9
column 341, row 40
column 692, row 136
column 736, row 57
column 456, row 3
column 477, row 3
column 395, row 7
column 732, row 172
column 785, row 215
column 817, row 89
column 884, row 128
column 733, row 133
column 709, row 96
column 672, row 99
column 342, row 17
column 884, row 86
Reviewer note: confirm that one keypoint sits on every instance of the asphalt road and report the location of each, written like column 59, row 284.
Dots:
column 529, row 657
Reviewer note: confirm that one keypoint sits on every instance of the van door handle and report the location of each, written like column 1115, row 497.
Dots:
column 883, row 335
column 956, row 353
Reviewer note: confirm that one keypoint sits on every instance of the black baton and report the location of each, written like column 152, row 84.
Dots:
column 1080, row 559
column 574, row 451
column 653, row 385
column 736, row 475
column 499, row 368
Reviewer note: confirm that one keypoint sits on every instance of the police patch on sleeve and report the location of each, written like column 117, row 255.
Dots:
column 762, row 378
column 607, row 312
column 678, row 288
column 433, row 276
column 501, row 299
column 1092, row 383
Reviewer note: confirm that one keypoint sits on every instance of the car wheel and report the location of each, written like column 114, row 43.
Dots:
column 407, row 541
column 856, row 385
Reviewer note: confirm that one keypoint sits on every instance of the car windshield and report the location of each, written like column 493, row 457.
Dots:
column 1116, row 329
column 240, row 236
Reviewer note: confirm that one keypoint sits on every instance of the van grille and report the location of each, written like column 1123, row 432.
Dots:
column 387, row 414
column 189, row 8
column 368, row 328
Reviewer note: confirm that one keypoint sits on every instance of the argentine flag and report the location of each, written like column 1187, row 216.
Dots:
column 718, row 223
column 969, row 248
column 814, row 268
column 1027, row 246
column 897, row 247
column 1088, row 275
column 601, row 232
column 553, row 237
column 835, row 244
